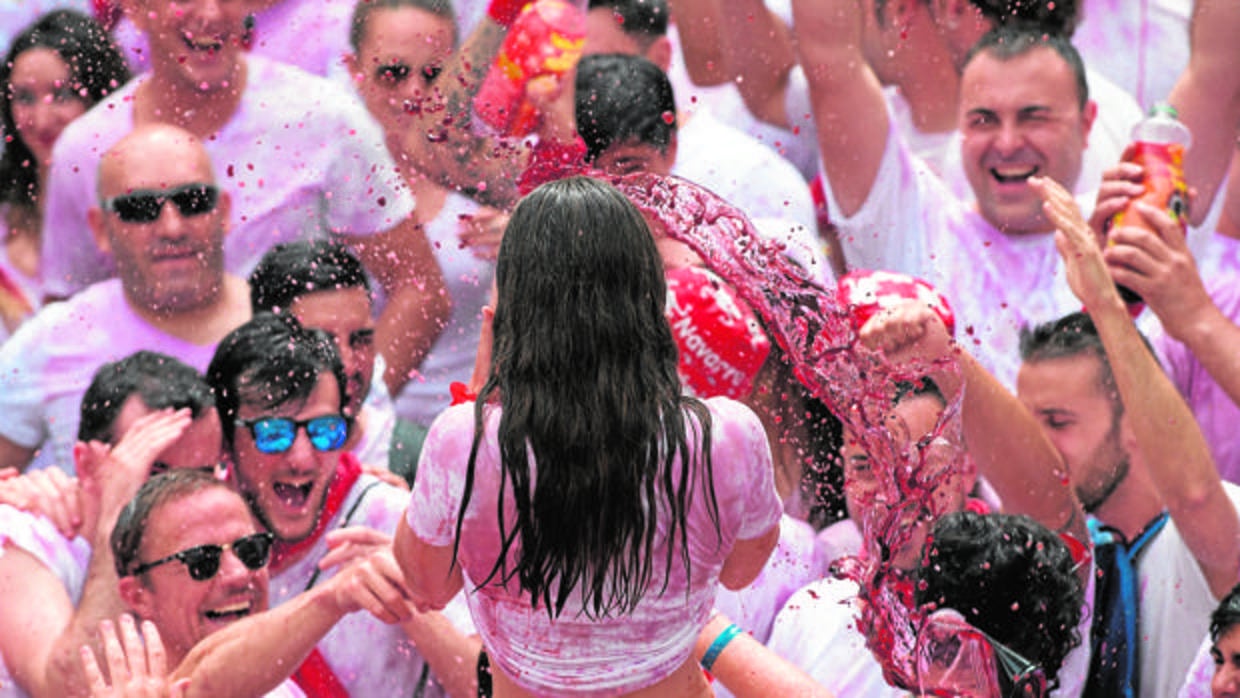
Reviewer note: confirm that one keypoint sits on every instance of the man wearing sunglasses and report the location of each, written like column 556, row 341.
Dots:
column 324, row 286
column 297, row 153
column 144, row 414
column 164, row 220
column 191, row 558
column 281, row 399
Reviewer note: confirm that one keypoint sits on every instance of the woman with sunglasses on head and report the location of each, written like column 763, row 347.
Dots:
column 55, row 70
column 585, row 504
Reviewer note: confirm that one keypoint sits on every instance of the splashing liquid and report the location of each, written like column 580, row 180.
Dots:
column 820, row 341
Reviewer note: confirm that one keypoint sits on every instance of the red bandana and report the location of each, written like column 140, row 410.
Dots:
column 317, row 680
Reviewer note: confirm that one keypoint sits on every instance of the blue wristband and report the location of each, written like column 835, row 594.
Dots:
column 716, row 647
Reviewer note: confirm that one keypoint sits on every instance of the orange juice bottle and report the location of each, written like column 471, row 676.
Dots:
column 1158, row 145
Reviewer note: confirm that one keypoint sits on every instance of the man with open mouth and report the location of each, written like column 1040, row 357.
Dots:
column 281, row 397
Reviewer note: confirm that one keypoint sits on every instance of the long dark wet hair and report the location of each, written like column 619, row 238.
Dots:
column 584, row 364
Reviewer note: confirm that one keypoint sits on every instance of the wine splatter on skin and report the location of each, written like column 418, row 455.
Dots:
column 820, row 341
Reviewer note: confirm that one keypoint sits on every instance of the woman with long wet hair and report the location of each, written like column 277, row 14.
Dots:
column 586, row 505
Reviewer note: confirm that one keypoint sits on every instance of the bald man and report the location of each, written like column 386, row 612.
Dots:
column 159, row 213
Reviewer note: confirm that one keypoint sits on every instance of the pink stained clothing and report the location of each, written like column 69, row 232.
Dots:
column 1217, row 414
column 997, row 283
column 1142, row 45
column 573, row 655
column 300, row 158
column 370, row 657
column 46, row 366
column 67, row 559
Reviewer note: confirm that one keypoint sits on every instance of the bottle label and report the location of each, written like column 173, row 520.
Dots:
column 1165, row 187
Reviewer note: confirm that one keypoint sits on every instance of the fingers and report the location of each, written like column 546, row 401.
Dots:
column 113, row 654
column 156, row 655
column 348, row 544
column 375, row 585
column 148, row 437
column 94, row 676
column 55, row 495
column 135, row 653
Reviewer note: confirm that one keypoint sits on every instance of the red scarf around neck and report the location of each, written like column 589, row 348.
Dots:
column 348, row 470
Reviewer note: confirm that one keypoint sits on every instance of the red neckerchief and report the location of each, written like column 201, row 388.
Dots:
column 316, row 679
column 348, row 470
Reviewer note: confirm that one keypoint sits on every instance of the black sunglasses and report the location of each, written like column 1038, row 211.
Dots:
column 203, row 561
column 145, row 205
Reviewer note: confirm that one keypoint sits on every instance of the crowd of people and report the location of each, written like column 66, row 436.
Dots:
column 780, row 350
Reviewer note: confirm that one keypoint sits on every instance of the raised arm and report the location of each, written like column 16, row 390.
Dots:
column 701, row 40
column 849, row 109
column 480, row 166
column 759, row 55
column 418, row 304
column 1207, row 97
column 1171, row 443
column 1003, row 438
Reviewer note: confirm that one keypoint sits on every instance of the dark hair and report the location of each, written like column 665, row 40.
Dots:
column 361, row 15
column 1226, row 615
column 160, row 489
column 621, row 98
column 1013, row 39
column 1058, row 17
column 293, row 269
column 922, row 387
column 1011, row 578
column 644, row 20
column 270, row 361
column 159, row 381
column 585, row 367
column 1069, row 336
column 97, row 68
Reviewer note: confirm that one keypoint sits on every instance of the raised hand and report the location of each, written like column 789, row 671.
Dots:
column 136, row 669
column 50, row 493
column 1078, row 245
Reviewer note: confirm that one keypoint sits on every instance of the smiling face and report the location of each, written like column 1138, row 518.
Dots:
column 401, row 54
column 43, row 100
column 1020, row 117
column 195, row 45
column 183, row 609
column 1077, row 415
column 287, row 490
column 175, row 262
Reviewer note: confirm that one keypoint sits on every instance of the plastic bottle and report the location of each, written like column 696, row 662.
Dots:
column 1158, row 145
column 546, row 39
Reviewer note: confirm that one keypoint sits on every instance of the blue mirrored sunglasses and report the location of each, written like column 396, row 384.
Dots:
column 277, row 434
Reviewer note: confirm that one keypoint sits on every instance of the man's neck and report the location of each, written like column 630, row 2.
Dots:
column 202, row 113
column 206, row 324
column 1131, row 507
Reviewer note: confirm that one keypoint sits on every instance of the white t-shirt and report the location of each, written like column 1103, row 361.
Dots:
column 67, row 559
column 572, row 654
column 1175, row 606
column 47, row 365
column 1142, row 45
column 995, row 282
column 369, row 657
column 743, row 171
column 301, row 159
column 468, row 280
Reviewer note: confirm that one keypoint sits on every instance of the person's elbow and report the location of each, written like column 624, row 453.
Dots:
column 747, row 559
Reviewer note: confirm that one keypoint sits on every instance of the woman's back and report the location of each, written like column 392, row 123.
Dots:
column 574, row 652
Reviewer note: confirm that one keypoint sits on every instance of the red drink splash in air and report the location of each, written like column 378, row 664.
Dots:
column 819, row 340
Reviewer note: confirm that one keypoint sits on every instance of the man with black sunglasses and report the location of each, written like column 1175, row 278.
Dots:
column 164, row 220
column 192, row 560
column 281, row 398
column 143, row 414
